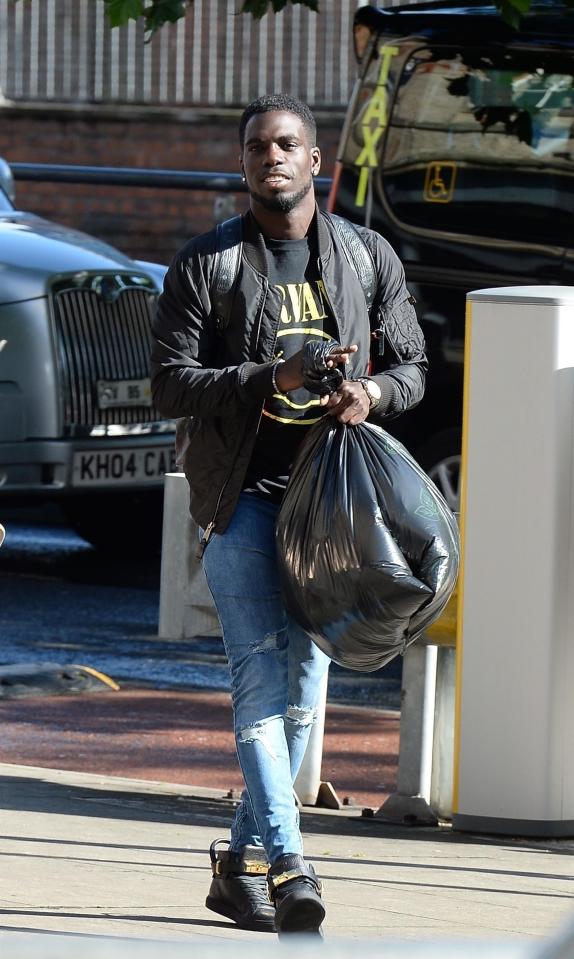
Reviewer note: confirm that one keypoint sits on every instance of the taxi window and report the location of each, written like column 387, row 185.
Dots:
column 482, row 145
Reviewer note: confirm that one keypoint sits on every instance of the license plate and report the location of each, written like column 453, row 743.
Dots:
column 114, row 393
column 122, row 467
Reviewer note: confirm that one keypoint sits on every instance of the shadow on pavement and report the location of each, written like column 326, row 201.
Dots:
column 27, row 794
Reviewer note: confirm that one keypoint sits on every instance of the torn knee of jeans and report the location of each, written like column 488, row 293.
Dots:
column 269, row 642
column 301, row 715
column 258, row 733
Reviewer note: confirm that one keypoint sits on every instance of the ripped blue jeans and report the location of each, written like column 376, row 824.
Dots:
column 276, row 674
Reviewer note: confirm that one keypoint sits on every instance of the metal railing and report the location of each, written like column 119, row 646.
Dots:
column 134, row 176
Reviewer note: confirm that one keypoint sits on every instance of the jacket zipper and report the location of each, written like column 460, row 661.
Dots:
column 379, row 334
column 328, row 298
column 265, row 291
column 211, row 525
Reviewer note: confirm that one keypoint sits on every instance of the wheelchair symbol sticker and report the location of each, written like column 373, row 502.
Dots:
column 439, row 182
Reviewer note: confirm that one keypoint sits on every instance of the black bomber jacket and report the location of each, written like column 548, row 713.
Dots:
column 221, row 378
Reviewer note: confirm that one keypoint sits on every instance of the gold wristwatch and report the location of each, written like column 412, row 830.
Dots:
column 372, row 389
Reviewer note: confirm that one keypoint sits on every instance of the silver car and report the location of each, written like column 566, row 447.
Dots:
column 77, row 423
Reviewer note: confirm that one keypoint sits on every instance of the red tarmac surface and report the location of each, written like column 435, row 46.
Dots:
column 185, row 737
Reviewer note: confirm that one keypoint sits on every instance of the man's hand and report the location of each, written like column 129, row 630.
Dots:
column 289, row 375
column 350, row 404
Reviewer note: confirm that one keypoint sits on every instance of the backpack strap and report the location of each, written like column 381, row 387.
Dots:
column 229, row 244
column 358, row 255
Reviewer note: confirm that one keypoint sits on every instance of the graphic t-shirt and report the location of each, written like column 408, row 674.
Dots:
column 304, row 314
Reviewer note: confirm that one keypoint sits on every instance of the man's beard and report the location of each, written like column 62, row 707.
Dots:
column 282, row 202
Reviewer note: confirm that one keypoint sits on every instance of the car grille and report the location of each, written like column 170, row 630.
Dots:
column 102, row 340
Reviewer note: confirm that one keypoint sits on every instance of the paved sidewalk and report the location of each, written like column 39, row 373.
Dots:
column 92, row 856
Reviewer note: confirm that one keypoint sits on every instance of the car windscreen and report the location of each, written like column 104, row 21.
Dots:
column 483, row 143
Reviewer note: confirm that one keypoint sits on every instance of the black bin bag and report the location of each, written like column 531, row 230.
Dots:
column 368, row 548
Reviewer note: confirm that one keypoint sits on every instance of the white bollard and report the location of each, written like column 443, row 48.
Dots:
column 185, row 604
column 308, row 782
column 443, row 734
column 410, row 804
column 515, row 729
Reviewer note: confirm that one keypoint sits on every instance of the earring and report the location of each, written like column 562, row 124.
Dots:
column 243, row 180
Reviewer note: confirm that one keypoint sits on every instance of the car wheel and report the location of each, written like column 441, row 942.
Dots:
column 123, row 524
column 440, row 459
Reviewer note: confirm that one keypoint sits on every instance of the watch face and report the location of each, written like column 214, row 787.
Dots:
column 373, row 390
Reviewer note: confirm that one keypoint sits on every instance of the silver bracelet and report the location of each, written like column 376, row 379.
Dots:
column 274, row 374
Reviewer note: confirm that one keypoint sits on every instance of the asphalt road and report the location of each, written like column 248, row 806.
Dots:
column 63, row 601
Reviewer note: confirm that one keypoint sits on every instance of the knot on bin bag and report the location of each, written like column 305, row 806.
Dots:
column 317, row 376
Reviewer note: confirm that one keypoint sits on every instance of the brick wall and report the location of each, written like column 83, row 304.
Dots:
column 144, row 223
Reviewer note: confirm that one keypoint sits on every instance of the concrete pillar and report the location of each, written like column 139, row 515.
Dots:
column 443, row 734
column 515, row 711
column 185, row 604
column 308, row 781
column 411, row 802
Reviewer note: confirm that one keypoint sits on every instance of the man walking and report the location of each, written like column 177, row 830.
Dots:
column 240, row 380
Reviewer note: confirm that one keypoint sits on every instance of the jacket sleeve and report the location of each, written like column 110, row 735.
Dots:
column 185, row 378
column 401, row 369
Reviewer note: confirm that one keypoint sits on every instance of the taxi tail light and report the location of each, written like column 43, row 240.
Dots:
column 362, row 39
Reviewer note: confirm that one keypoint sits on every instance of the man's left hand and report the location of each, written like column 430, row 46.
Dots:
column 350, row 404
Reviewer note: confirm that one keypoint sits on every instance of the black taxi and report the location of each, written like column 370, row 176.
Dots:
column 458, row 147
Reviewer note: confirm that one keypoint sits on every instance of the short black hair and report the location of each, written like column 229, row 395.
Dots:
column 284, row 103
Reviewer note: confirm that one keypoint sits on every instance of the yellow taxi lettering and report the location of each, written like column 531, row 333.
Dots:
column 377, row 109
column 367, row 156
column 386, row 55
column 374, row 122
